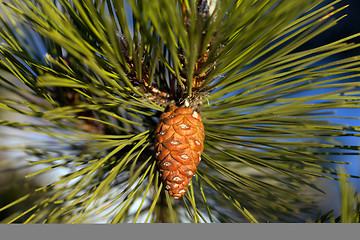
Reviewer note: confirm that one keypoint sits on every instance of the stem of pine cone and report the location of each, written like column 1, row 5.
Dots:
column 172, row 88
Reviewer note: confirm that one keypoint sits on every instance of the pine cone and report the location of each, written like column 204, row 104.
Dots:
column 179, row 139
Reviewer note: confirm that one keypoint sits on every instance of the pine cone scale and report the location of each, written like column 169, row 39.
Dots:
column 171, row 120
column 179, row 140
column 185, row 127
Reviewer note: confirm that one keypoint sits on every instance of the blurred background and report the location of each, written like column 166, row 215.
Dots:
column 13, row 183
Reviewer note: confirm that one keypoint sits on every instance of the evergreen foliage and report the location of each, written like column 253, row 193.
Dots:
column 95, row 75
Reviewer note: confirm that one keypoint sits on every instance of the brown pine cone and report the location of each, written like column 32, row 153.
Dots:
column 179, row 142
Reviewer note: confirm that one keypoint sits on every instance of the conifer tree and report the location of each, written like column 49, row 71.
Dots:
column 176, row 110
